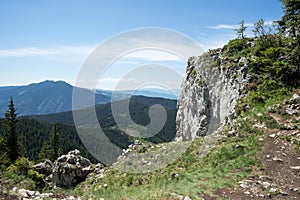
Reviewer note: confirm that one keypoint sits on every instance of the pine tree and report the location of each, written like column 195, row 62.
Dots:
column 44, row 153
column 4, row 160
column 55, row 144
column 241, row 31
column 290, row 21
column 11, row 137
column 290, row 25
column 51, row 149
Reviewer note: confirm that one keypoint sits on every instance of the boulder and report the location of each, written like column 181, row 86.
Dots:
column 70, row 169
column 44, row 168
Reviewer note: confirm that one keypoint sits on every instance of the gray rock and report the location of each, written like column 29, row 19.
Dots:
column 209, row 95
column 277, row 159
column 266, row 185
column 70, row 169
column 180, row 197
column 295, row 97
column 291, row 111
column 44, row 168
column 273, row 190
column 295, row 167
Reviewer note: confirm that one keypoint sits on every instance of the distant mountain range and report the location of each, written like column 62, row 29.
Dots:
column 56, row 96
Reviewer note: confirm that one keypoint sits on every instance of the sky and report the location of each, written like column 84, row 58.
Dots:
column 51, row 40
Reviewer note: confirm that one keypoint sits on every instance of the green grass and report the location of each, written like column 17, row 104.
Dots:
column 229, row 161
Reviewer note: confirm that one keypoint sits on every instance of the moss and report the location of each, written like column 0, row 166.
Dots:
column 201, row 82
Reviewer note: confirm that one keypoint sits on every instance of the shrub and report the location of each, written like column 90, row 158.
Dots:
column 21, row 166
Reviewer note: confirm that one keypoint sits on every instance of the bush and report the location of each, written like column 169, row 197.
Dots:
column 236, row 47
column 21, row 166
column 37, row 178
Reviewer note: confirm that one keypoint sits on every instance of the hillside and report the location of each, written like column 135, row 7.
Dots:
column 36, row 129
column 52, row 97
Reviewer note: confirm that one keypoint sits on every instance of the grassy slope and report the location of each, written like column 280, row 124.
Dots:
column 232, row 159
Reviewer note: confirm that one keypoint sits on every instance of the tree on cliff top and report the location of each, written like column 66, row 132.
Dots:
column 241, row 31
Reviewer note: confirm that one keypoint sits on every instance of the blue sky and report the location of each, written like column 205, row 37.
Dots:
column 43, row 40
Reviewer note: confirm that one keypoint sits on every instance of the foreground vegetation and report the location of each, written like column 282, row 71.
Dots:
column 273, row 56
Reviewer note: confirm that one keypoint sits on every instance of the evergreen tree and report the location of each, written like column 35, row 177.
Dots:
column 290, row 25
column 55, row 144
column 241, row 31
column 11, row 137
column 44, row 153
column 51, row 150
column 4, row 160
column 290, row 21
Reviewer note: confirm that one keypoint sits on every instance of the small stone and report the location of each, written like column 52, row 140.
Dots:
column 44, row 195
column 260, row 139
column 247, row 192
column 259, row 115
column 265, row 178
column 291, row 111
column 23, row 193
column 272, row 135
column 277, row 159
column 268, row 156
column 295, row 97
column 273, row 190
column 284, row 154
column 246, row 183
column 266, row 185
column 283, row 192
column 295, row 167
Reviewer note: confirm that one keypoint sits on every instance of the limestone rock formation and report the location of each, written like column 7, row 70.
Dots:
column 70, row 169
column 209, row 94
column 44, row 168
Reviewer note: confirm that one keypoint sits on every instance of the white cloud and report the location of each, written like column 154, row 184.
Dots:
column 35, row 51
column 235, row 26
column 116, row 80
column 153, row 55
column 224, row 26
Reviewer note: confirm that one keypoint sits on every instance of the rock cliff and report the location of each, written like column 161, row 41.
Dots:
column 209, row 94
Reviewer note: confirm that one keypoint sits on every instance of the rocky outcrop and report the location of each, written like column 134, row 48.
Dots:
column 209, row 94
column 44, row 168
column 70, row 169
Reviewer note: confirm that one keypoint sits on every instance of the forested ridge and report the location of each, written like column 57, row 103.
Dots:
column 34, row 131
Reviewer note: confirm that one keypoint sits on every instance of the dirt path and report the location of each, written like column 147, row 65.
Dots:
column 278, row 177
